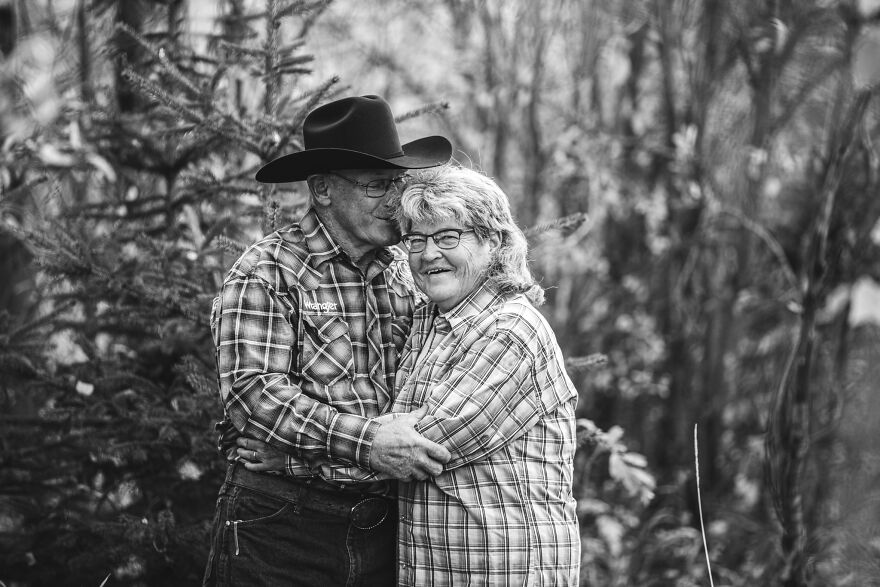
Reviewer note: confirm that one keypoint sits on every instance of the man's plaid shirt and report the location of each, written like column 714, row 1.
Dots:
column 502, row 512
column 307, row 346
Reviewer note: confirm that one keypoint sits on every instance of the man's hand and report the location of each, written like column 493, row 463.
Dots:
column 401, row 452
column 259, row 456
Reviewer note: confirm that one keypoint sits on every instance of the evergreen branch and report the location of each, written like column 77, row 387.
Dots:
column 435, row 108
column 215, row 231
column 229, row 245
column 287, row 51
column 217, row 76
column 315, row 96
column 18, row 364
column 577, row 364
column 189, row 367
column 237, row 49
column 211, row 121
column 42, row 320
column 295, row 60
column 162, row 57
column 311, row 15
column 150, row 89
column 279, row 71
column 566, row 224
column 296, row 6
column 119, row 382
column 26, row 186
column 53, row 420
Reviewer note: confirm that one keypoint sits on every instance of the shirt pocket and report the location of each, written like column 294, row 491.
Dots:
column 326, row 348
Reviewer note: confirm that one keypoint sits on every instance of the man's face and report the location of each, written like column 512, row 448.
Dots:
column 368, row 222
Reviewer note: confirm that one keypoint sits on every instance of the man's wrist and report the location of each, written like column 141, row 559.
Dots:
column 350, row 438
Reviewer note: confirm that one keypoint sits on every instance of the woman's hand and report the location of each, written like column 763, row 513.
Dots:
column 256, row 455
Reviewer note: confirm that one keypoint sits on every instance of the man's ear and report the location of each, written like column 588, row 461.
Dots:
column 319, row 188
column 494, row 239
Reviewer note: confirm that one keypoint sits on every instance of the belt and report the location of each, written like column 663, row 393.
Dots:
column 364, row 510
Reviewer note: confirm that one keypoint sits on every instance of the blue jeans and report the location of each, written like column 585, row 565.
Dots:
column 270, row 530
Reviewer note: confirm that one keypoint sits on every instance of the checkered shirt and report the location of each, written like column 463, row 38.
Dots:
column 307, row 347
column 502, row 512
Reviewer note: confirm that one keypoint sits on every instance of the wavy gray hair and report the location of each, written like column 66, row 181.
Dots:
column 473, row 200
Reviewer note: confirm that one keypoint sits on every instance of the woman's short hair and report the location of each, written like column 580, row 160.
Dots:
column 473, row 200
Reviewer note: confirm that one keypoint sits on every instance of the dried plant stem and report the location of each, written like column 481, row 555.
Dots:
column 700, row 506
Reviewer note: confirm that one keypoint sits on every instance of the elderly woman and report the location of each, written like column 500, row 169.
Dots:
column 486, row 366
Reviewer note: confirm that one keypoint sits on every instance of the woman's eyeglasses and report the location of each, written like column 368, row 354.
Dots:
column 449, row 238
column 378, row 187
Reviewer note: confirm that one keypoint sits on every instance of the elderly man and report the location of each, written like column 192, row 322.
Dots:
column 308, row 327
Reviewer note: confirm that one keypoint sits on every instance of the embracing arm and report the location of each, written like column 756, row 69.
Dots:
column 488, row 399
column 255, row 354
column 256, row 348
column 399, row 452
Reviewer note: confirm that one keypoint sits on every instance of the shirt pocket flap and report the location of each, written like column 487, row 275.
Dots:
column 328, row 327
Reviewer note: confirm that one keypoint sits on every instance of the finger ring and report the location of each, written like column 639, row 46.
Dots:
column 255, row 455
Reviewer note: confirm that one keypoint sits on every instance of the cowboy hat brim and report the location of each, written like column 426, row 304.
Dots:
column 418, row 154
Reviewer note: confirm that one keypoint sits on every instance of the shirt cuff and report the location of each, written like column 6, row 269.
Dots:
column 350, row 437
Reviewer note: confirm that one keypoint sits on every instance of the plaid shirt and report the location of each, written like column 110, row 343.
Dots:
column 307, row 347
column 502, row 512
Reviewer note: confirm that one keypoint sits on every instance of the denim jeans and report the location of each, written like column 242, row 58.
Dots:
column 265, row 537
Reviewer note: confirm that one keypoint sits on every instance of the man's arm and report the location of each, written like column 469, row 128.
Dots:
column 398, row 452
column 256, row 348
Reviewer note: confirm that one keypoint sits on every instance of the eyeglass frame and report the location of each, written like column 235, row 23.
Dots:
column 398, row 183
column 458, row 232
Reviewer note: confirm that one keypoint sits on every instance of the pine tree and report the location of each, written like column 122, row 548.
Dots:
column 140, row 194
column 133, row 196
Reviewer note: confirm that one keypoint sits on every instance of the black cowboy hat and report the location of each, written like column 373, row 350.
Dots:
column 354, row 133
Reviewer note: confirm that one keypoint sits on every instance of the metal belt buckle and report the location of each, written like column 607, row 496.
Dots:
column 369, row 513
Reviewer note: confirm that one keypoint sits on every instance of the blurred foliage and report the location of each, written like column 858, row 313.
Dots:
column 702, row 182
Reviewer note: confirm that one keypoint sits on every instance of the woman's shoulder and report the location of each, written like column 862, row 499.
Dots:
column 516, row 315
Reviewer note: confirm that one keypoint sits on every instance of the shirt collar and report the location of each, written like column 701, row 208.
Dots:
column 472, row 305
column 322, row 247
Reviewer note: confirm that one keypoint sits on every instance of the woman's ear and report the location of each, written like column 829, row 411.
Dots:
column 320, row 189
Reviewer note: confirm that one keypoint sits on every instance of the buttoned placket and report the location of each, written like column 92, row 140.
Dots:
column 375, row 355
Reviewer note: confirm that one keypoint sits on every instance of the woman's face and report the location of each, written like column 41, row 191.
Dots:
column 447, row 276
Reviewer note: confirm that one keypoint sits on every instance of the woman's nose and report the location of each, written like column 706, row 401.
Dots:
column 432, row 251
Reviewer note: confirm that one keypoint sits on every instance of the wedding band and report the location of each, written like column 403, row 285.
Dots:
column 255, row 455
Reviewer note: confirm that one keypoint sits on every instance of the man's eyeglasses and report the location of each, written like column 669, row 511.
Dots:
column 377, row 187
column 444, row 239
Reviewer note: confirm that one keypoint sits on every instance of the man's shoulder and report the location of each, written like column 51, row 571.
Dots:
column 281, row 252
column 519, row 318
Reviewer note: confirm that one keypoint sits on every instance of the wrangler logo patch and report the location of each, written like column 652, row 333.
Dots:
column 320, row 307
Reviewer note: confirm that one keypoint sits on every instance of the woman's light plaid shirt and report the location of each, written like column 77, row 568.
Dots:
column 502, row 513
column 307, row 346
